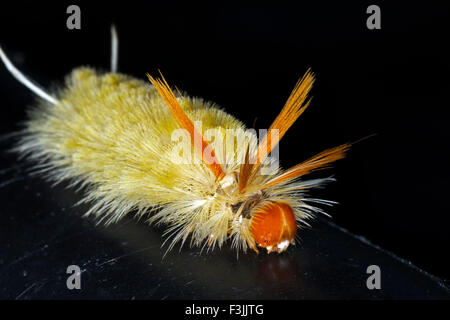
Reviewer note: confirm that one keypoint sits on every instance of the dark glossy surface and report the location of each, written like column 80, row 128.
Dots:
column 41, row 233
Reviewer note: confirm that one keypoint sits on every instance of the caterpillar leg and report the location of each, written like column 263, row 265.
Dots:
column 24, row 80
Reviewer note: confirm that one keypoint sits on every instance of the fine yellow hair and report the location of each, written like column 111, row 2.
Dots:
column 113, row 135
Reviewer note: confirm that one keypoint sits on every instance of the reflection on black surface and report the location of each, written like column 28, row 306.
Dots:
column 43, row 235
column 280, row 271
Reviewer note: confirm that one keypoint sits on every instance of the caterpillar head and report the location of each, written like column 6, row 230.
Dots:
column 273, row 226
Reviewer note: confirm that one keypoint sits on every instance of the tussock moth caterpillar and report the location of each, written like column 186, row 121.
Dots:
column 113, row 135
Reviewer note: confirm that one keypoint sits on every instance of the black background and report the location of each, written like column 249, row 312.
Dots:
column 392, row 188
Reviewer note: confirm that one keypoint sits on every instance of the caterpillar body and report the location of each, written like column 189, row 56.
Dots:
column 113, row 135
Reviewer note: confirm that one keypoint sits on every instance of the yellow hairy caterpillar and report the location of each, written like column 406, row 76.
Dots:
column 138, row 146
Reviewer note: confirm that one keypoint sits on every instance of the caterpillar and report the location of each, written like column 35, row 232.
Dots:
column 121, row 140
